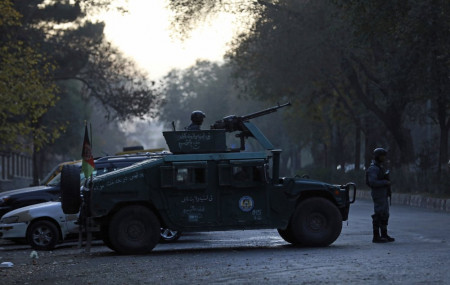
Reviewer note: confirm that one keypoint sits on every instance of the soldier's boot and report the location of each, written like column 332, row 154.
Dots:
column 384, row 233
column 376, row 231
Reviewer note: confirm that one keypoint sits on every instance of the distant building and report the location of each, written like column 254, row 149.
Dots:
column 16, row 170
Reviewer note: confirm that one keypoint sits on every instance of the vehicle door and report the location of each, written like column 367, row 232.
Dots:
column 190, row 202
column 243, row 192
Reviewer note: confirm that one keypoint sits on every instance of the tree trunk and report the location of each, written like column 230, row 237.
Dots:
column 391, row 117
column 35, row 166
column 357, row 147
column 443, row 147
column 444, row 126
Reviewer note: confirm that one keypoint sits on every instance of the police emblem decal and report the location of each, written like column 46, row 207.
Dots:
column 246, row 204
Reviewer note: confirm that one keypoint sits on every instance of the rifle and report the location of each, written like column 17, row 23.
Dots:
column 235, row 123
column 389, row 192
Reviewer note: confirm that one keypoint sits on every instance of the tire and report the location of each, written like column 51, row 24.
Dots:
column 287, row 235
column 70, row 189
column 104, row 233
column 168, row 235
column 316, row 222
column 43, row 235
column 134, row 230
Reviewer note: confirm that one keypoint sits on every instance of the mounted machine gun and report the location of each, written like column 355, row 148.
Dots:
column 242, row 124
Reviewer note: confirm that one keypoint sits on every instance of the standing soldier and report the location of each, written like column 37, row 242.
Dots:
column 197, row 120
column 377, row 178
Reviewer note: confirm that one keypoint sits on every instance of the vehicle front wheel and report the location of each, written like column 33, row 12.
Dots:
column 43, row 235
column 134, row 230
column 168, row 235
column 316, row 222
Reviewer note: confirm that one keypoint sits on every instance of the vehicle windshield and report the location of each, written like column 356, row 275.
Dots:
column 51, row 175
column 55, row 181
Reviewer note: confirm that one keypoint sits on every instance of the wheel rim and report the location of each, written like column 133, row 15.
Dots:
column 316, row 222
column 42, row 236
column 135, row 231
column 168, row 234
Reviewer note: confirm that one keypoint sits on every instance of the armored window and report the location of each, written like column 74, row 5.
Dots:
column 182, row 176
column 248, row 173
column 199, row 175
column 190, row 174
column 243, row 173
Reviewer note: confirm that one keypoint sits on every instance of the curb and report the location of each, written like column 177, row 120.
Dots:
column 413, row 200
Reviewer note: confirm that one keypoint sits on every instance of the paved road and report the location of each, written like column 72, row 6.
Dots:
column 421, row 255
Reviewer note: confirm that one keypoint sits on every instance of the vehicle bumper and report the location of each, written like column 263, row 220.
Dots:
column 350, row 193
column 15, row 230
column 4, row 210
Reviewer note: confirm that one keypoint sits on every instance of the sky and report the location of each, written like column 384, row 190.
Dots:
column 144, row 35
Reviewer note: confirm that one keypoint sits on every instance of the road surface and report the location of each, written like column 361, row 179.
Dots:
column 420, row 255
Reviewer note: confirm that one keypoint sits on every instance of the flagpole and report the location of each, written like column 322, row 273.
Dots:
column 88, row 223
column 92, row 144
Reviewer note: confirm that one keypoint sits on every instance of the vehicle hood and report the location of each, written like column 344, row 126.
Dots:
column 309, row 184
column 26, row 190
column 43, row 209
column 130, row 171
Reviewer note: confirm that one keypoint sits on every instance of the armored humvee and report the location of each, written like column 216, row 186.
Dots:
column 202, row 185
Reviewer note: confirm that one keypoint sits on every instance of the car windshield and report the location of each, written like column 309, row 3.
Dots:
column 51, row 175
column 55, row 181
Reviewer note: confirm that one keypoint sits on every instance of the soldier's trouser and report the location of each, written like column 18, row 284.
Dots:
column 380, row 217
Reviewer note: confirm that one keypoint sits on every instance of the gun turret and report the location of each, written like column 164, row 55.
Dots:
column 234, row 123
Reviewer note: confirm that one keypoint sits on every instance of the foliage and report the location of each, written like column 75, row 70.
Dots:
column 26, row 91
column 350, row 67
column 189, row 14
column 77, row 45
column 50, row 44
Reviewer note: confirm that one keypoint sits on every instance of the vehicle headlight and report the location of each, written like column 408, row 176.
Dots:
column 3, row 200
column 10, row 220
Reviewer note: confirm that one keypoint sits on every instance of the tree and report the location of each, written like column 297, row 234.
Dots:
column 359, row 66
column 81, row 52
column 60, row 32
column 411, row 39
column 26, row 90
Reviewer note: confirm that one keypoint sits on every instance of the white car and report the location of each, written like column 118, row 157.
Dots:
column 44, row 225
column 41, row 225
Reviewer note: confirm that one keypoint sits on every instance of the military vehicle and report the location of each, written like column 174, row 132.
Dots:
column 203, row 185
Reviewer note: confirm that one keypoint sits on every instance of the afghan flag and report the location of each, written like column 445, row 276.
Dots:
column 87, row 165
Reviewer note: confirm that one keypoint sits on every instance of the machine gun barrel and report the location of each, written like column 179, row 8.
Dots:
column 236, row 123
column 264, row 112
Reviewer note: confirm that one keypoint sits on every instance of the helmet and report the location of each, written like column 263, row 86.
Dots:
column 379, row 152
column 197, row 117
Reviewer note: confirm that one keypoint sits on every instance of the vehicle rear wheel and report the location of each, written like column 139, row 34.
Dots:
column 134, row 230
column 43, row 235
column 70, row 189
column 104, row 235
column 168, row 235
column 316, row 222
